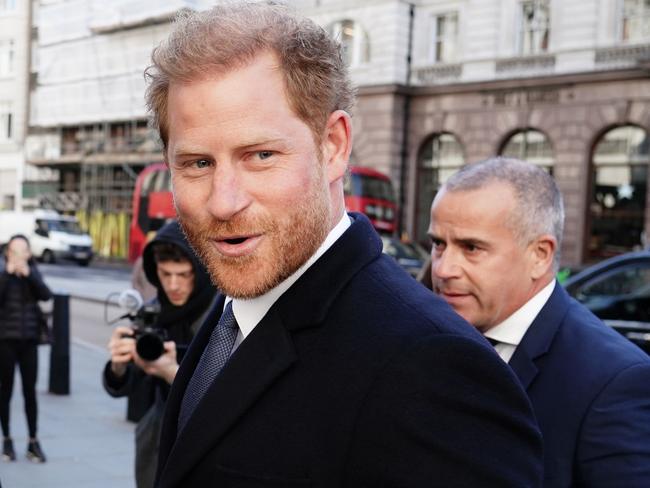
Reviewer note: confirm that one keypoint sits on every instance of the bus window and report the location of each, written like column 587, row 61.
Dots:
column 371, row 193
column 152, row 206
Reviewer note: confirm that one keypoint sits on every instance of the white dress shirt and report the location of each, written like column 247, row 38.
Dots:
column 250, row 312
column 509, row 333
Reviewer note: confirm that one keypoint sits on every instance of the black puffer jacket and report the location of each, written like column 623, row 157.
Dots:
column 20, row 315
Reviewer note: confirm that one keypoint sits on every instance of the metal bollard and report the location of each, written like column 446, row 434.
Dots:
column 60, row 351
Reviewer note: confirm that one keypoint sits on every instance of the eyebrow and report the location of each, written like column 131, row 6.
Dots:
column 474, row 241
column 252, row 143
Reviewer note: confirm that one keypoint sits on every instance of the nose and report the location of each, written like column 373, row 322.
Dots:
column 228, row 195
column 444, row 265
column 174, row 282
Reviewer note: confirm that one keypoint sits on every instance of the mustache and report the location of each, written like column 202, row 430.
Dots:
column 215, row 229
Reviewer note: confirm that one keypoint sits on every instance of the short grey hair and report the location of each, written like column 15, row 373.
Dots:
column 539, row 207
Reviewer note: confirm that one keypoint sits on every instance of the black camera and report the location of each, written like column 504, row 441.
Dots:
column 148, row 338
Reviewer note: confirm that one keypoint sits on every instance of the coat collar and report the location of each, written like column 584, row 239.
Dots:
column 539, row 336
column 264, row 356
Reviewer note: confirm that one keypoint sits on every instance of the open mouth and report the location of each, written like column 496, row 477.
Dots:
column 234, row 246
column 236, row 240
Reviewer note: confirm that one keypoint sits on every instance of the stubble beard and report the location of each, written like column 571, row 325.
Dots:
column 289, row 242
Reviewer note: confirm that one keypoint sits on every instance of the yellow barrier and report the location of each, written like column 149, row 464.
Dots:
column 109, row 231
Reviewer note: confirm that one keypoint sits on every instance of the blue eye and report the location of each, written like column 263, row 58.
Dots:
column 265, row 154
column 202, row 163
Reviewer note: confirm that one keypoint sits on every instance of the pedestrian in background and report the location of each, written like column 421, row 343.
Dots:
column 496, row 228
column 21, row 325
column 184, row 294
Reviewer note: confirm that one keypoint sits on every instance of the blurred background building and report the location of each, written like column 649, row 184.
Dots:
column 441, row 83
column 14, row 71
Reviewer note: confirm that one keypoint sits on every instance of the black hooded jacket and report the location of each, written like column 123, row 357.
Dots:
column 180, row 322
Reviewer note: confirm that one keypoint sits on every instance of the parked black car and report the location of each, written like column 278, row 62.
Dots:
column 618, row 291
column 408, row 255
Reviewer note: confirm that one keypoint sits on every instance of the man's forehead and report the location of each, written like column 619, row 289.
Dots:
column 175, row 266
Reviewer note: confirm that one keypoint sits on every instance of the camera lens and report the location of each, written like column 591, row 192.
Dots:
column 149, row 346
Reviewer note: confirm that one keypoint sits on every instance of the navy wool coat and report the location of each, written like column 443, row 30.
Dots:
column 356, row 377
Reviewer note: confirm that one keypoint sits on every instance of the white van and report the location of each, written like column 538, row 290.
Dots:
column 52, row 236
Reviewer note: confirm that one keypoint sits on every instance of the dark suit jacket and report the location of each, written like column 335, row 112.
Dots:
column 356, row 377
column 590, row 388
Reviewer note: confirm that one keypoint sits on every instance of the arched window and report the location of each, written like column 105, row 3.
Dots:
column 440, row 156
column 532, row 146
column 355, row 45
column 618, row 193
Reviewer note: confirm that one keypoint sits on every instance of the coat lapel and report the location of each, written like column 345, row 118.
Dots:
column 264, row 356
column 190, row 360
column 539, row 336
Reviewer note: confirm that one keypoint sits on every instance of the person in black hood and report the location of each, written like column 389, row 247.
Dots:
column 184, row 295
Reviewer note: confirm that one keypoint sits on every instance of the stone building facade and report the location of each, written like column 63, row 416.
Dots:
column 563, row 84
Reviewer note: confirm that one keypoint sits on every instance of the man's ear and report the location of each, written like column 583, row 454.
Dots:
column 337, row 144
column 543, row 251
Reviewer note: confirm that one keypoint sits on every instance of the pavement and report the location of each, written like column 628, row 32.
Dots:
column 85, row 435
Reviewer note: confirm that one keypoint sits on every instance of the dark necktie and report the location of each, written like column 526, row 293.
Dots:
column 214, row 357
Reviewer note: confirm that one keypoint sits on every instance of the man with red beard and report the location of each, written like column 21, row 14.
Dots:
column 324, row 364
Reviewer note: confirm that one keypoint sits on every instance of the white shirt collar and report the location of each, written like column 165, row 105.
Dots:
column 249, row 312
column 509, row 333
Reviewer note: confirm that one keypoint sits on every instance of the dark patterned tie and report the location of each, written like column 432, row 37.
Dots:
column 214, row 357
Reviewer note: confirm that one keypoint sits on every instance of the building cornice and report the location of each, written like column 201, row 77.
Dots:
column 640, row 72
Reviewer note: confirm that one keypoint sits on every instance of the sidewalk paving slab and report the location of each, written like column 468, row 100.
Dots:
column 85, row 435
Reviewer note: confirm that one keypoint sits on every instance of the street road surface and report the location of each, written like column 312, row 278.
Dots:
column 92, row 282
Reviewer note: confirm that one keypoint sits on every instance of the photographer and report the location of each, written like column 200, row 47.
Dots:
column 21, row 321
column 184, row 296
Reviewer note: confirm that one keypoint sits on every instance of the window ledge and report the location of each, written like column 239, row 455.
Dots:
column 622, row 56
column 438, row 73
column 526, row 65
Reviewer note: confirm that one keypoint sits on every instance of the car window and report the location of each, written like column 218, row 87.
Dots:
column 398, row 250
column 633, row 280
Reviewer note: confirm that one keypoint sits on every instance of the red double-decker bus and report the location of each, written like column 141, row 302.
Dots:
column 152, row 206
column 371, row 192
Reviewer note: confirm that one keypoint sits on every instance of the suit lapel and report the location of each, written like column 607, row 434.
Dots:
column 539, row 336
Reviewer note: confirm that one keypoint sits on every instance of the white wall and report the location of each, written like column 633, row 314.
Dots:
column 13, row 90
column 489, row 31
